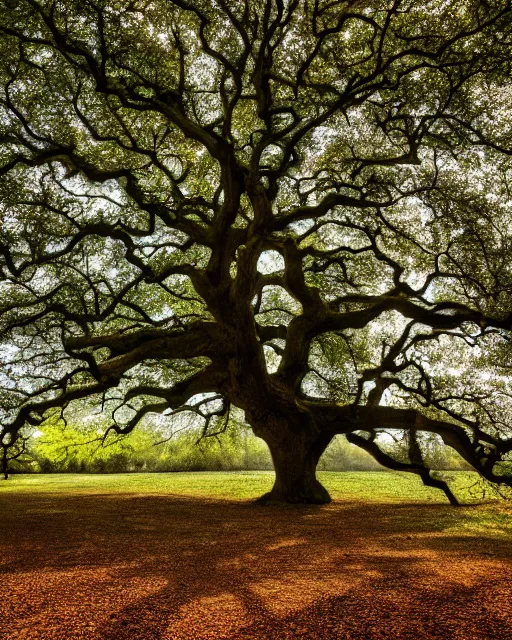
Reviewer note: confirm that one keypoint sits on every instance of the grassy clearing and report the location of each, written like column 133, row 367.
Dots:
column 489, row 518
column 245, row 485
column 118, row 557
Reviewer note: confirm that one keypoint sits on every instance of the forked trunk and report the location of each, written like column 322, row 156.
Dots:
column 295, row 467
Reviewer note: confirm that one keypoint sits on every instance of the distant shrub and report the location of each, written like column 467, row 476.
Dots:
column 81, row 448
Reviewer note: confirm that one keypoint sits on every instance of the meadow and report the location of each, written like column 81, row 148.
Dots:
column 177, row 556
column 381, row 486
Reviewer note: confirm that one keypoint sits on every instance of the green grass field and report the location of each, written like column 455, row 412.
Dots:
column 371, row 487
column 174, row 556
column 247, row 485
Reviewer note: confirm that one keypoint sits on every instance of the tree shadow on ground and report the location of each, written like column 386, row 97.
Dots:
column 118, row 567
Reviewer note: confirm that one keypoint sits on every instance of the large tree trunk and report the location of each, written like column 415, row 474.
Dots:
column 5, row 464
column 295, row 462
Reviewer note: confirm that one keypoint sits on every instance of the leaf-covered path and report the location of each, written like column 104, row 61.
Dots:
column 126, row 566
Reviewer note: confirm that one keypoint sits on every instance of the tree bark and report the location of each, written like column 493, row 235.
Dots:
column 5, row 464
column 295, row 461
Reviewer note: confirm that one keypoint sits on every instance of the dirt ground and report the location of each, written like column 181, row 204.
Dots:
column 146, row 567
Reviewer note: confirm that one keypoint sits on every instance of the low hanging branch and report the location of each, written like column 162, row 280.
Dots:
column 416, row 466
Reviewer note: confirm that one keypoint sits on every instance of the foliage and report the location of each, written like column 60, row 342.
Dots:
column 71, row 448
column 63, row 447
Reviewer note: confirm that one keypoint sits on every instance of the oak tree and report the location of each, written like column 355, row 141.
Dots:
column 299, row 208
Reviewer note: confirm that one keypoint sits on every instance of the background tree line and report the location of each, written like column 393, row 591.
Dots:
column 80, row 447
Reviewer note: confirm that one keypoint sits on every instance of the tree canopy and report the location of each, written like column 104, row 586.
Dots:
column 299, row 208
